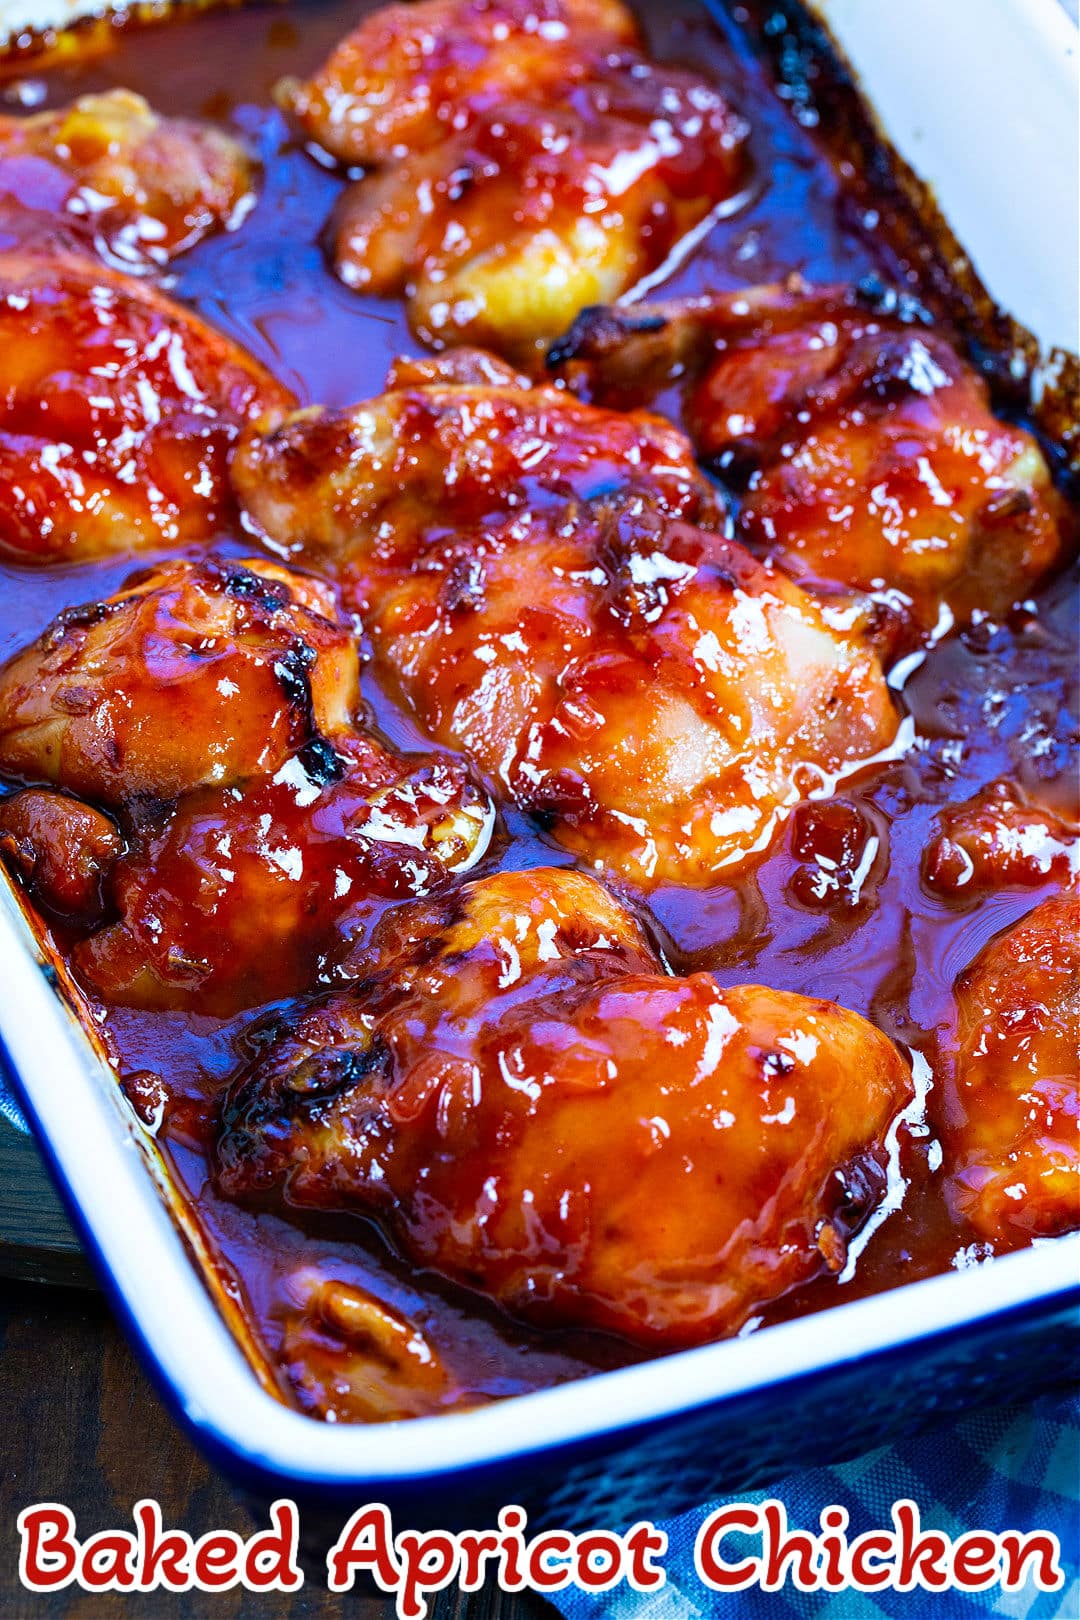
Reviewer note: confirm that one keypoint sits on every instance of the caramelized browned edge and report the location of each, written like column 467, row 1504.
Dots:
column 805, row 58
column 181, row 1210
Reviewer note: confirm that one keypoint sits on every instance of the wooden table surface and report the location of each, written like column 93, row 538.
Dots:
column 82, row 1426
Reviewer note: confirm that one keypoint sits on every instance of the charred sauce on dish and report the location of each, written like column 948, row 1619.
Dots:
column 844, row 905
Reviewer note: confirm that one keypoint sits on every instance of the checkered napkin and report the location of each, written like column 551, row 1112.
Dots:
column 1013, row 1468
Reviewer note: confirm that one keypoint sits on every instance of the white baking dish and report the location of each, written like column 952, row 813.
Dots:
column 980, row 96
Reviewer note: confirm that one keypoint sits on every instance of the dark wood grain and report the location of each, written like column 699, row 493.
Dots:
column 82, row 1426
column 37, row 1243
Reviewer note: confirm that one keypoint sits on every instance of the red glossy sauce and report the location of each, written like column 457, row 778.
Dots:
column 859, row 926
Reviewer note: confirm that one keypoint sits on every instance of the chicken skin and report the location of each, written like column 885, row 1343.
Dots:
column 213, row 708
column 143, row 187
column 525, row 159
column 409, row 76
column 533, row 1108
column 867, row 448
column 237, row 896
column 195, row 674
column 1014, row 1142
column 995, row 840
column 118, row 410
column 455, row 445
column 534, row 575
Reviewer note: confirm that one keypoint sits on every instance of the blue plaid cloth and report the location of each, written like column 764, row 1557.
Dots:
column 1013, row 1468
column 9, row 1108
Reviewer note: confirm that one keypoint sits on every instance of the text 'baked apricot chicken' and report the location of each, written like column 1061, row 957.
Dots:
column 120, row 178
column 536, row 578
column 525, row 158
column 535, row 1109
column 866, row 447
column 256, row 823
column 118, row 410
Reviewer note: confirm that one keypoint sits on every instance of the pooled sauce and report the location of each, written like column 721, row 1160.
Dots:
column 838, row 908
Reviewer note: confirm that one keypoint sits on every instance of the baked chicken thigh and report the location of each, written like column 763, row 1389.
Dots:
column 534, row 1108
column 524, row 158
column 257, row 824
column 1015, row 1133
column 866, row 446
column 544, row 582
column 194, row 674
column 111, row 172
column 117, row 413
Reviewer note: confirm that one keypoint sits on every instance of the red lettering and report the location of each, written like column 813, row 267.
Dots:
column 556, row 1543
column 1017, row 1550
column 796, row 1548
column 863, row 1573
column 643, row 1542
column 270, row 1560
column 603, row 1545
column 163, row 1557
column 511, row 1522
column 710, row 1566
column 216, row 1559
column 975, row 1561
column 365, row 1543
column 107, row 1561
column 428, row 1564
column 48, row 1550
column 475, row 1547
column 922, row 1553
column 833, row 1546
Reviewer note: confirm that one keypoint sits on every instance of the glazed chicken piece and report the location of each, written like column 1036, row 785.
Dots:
column 237, row 896
column 118, row 410
column 454, row 446
column 524, row 570
column 351, row 1358
column 1013, row 1138
column 411, row 74
column 525, row 159
column 533, row 1108
column 61, row 850
column 194, row 674
column 866, row 446
column 115, row 172
column 998, row 839
column 213, row 706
